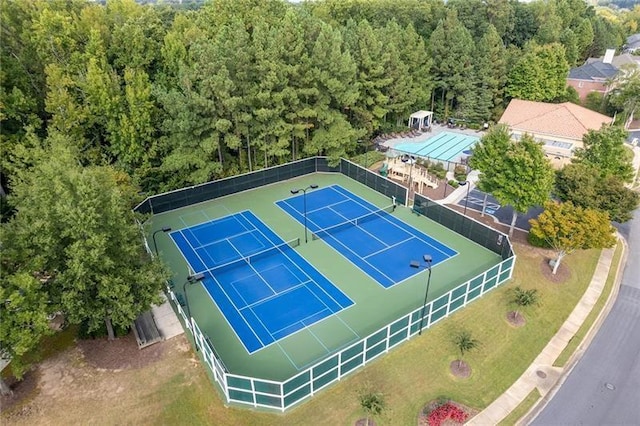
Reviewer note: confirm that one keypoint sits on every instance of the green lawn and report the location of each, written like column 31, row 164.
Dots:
column 418, row 371
column 177, row 390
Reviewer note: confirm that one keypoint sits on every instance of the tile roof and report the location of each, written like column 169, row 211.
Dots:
column 565, row 120
column 593, row 71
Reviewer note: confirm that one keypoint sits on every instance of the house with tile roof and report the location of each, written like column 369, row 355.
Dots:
column 560, row 127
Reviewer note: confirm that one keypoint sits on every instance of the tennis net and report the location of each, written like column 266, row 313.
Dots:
column 248, row 260
column 350, row 223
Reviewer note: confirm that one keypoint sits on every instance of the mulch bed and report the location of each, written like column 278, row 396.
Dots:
column 21, row 389
column 460, row 369
column 119, row 354
column 363, row 422
column 561, row 276
column 515, row 319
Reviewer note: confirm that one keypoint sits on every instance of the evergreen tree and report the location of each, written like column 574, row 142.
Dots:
column 451, row 46
column 490, row 66
column 372, row 59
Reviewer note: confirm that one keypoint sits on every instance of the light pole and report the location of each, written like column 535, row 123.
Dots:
column 466, row 200
column 190, row 280
column 304, row 201
column 415, row 264
column 155, row 245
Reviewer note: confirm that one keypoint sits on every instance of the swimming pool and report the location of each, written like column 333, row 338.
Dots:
column 445, row 146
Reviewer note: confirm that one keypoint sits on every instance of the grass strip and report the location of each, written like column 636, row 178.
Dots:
column 522, row 409
column 577, row 339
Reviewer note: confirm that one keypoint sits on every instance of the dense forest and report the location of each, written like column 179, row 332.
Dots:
column 174, row 97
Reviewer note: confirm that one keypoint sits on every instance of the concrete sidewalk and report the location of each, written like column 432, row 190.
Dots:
column 541, row 374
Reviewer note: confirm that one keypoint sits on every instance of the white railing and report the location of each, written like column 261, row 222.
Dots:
column 282, row 395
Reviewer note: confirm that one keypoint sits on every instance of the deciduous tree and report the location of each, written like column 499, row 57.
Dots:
column 75, row 226
column 488, row 157
column 539, row 74
column 566, row 228
column 23, row 317
column 582, row 185
column 526, row 179
column 604, row 149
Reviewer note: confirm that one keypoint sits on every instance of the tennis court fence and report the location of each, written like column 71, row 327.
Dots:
column 466, row 226
column 219, row 188
column 281, row 395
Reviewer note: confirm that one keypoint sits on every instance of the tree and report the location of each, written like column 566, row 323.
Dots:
column 451, row 46
column 525, row 25
column 464, row 342
column 566, row 228
column 527, row 179
column 596, row 101
column 372, row 58
column 539, row 74
column 523, row 298
column 605, row 150
column 582, row 185
column 23, row 319
column 371, row 402
column 625, row 93
column 75, row 227
column 488, row 157
column 490, row 64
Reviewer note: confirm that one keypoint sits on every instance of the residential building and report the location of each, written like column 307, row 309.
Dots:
column 560, row 127
column 594, row 76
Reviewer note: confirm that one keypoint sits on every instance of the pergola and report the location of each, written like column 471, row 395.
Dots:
column 420, row 120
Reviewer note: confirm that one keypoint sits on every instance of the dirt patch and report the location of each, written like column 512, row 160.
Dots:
column 98, row 382
column 119, row 354
column 460, row 369
column 561, row 276
column 22, row 390
column 363, row 422
column 516, row 319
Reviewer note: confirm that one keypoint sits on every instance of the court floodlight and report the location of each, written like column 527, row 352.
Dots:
column 415, row 264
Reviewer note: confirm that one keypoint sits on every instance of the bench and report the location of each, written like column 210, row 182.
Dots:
column 146, row 330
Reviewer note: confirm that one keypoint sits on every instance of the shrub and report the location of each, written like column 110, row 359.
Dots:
column 460, row 173
column 444, row 412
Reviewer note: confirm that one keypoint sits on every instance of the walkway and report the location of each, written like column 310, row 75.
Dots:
column 541, row 374
column 166, row 319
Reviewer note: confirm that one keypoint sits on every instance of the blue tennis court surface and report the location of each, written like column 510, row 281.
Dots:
column 263, row 287
column 373, row 239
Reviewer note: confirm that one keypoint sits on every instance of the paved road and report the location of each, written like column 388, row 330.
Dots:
column 604, row 387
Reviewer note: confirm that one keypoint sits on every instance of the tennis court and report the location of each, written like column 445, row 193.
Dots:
column 373, row 239
column 264, row 288
column 371, row 319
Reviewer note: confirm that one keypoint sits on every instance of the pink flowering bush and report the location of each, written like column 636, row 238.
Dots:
column 445, row 412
